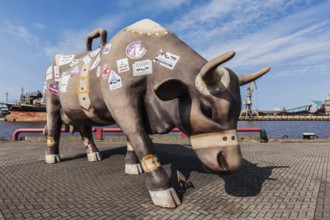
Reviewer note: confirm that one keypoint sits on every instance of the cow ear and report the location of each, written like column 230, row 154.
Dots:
column 169, row 89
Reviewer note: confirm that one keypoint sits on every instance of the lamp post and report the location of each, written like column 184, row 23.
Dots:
column 7, row 96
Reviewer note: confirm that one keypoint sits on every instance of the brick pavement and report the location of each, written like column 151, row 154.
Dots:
column 277, row 181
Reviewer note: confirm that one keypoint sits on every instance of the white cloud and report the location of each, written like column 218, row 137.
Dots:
column 19, row 33
column 39, row 26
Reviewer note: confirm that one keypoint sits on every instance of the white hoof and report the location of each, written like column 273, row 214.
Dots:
column 133, row 169
column 52, row 158
column 165, row 198
column 93, row 157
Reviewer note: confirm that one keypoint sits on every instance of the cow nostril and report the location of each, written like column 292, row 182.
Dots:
column 222, row 161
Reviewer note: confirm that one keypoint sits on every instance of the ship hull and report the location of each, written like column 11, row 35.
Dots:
column 26, row 116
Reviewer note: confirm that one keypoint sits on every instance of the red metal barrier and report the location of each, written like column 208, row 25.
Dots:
column 100, row 131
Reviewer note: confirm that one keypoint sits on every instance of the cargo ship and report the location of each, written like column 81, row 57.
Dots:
column 30, row 108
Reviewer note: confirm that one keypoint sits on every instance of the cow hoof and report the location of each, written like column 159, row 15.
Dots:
column 133, row 169
column 52, row 158
column 93, row 157
column 165, row 198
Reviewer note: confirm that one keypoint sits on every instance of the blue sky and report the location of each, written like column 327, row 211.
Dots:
column 291, row 36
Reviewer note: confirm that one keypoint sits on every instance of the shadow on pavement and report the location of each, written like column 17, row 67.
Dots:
column 248, row 181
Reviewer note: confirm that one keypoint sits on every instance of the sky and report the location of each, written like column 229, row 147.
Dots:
column 290, row 36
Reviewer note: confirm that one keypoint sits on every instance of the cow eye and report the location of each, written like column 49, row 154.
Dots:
column 207, row 111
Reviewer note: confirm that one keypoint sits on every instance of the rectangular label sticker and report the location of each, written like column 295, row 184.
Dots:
column 166, row 59
column 91, row 55
column 65, row 59
column 141, row 68
column 122, row 65
column 57, row 74
column 96, row 62
column 114, row 81
column 64, row 83
column 106, row 49
column 49, row 73
column 74, row 62
column 74, row 71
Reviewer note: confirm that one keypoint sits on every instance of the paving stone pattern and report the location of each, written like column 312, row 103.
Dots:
column 277, row 181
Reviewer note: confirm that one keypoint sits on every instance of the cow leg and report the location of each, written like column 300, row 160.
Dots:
column 53, row 133
column 132, row 164
column 156, row 179
column 93, row 153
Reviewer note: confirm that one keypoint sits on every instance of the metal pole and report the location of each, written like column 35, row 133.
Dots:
column 7, row 96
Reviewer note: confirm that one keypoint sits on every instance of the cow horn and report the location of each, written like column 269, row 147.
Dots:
column 208, row 74
column 249, row 77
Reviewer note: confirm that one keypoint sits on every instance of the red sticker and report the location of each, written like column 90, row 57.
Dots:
column 105, row 71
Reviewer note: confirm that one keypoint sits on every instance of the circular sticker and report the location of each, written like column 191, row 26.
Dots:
column 135, row 50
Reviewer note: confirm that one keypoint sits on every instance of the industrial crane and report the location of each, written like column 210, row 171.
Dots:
column 248, row 110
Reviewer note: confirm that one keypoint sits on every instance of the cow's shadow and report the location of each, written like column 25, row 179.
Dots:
column 247, row 182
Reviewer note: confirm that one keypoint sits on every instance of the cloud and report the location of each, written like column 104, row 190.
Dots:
column 39, row 26
column 299, row 35
column 19, row 33
column 150, row 6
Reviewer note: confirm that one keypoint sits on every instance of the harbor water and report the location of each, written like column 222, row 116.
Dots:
column 274, row 129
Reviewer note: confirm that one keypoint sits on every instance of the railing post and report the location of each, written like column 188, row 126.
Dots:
column 183, row 135
column 99, row 133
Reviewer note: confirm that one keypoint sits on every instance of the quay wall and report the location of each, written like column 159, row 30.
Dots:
column 286, row 118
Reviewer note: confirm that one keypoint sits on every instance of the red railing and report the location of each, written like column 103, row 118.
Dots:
column 100, row 131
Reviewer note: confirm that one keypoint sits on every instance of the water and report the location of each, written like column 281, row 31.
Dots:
column 8, row 128
column 274, row 129
column 293, row 129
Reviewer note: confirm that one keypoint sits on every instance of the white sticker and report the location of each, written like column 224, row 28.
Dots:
column 74, row 62
column 106, row 49
column 96, row 62
column 49, row 73
column 74, row 71
column 122, row 65
column 114, row 81
column 98, row 71
column 91, row 55
column 141, row 68
column 135, row 50
column 64, row 83
column 65, row 59
column 166, row 59
column 57, row 74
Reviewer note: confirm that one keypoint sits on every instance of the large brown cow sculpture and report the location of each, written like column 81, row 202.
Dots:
column 147, row 81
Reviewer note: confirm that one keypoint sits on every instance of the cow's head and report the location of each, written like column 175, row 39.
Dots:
column 209, row 110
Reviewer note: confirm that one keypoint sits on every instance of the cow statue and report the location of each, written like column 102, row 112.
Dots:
column 147, row 81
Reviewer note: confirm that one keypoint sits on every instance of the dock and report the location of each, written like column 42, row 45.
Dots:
column 286, row 118
column 277, row 181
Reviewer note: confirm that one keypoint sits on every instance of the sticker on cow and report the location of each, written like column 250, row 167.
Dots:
column 114, row 81
column 142, row 68
column 166, row 59
column 135, row 50
column 122, row 65
column 170, row 86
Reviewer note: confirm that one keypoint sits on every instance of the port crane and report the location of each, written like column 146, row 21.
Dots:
column 248, row 110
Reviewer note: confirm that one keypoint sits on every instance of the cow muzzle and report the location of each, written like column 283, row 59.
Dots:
column 219, row 151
